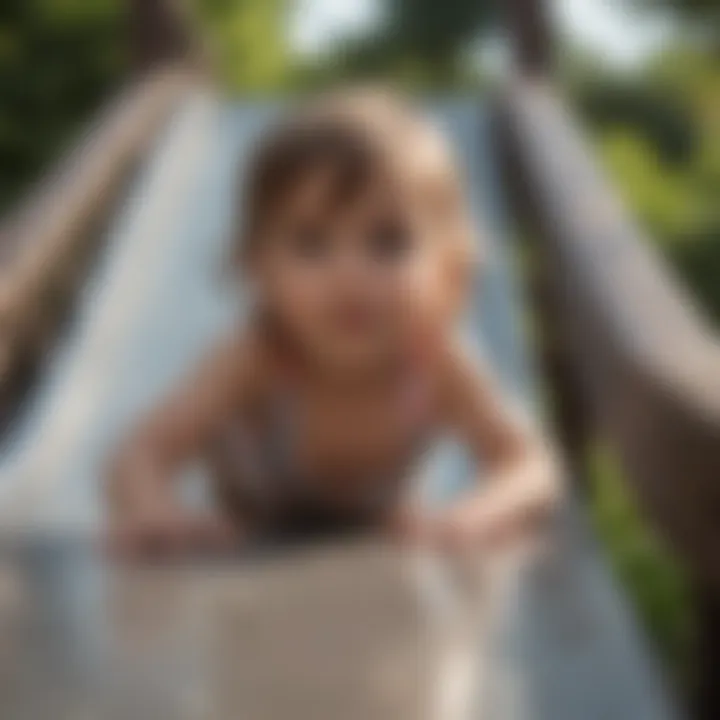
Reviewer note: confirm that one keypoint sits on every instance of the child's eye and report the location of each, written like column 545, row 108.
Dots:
column 389, row 242
column 309, row 243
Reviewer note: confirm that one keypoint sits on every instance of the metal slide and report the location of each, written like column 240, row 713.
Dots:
column 339, row 634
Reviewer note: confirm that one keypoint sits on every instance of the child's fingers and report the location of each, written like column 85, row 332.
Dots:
column 453, row 533
column 156, row 534
column 169, row 531
column 407, row 525
column 129, row 536
column 213, row 532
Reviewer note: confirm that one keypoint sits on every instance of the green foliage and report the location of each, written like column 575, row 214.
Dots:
column 702, row 10
column 58, row 58
column 643, row 564
column 657, row 192
column 247, row 42
column 662, row 150
column 656, row 117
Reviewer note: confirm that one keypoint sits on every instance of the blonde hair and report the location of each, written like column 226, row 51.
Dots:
column 359, row 134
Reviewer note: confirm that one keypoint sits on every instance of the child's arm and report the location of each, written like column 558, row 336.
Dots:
column 143, row 507
column 521, row 479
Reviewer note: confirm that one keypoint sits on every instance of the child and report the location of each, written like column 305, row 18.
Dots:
column 356, row 246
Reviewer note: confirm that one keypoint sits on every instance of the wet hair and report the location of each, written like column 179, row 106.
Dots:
column 359, row 137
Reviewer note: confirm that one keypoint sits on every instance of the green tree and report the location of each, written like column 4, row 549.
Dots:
column 421, row 42
column 701, row 17
column 693, row 10
column 58, row 59
column 658, row 134
column 691, row 74
column 246, row 42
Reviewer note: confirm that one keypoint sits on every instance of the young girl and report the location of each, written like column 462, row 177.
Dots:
column 357, row 250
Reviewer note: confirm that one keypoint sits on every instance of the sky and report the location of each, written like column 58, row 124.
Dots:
column 606, row 27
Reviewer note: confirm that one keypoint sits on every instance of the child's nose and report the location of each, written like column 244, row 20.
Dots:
column 352, row 262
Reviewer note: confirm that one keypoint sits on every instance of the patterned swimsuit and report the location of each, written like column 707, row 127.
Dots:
column 259, row 481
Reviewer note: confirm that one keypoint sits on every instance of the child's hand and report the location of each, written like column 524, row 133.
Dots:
column 457, row 531
column 448, row 529
column 409, row 524
column 474, row 526
column 162, row 528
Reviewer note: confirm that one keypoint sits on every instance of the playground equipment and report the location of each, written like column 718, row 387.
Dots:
column 347, row 631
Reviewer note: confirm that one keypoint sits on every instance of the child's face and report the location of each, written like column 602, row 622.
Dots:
column 353, row 285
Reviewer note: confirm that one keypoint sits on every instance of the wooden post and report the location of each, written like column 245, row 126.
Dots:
column 158, row 33
column 528, row 23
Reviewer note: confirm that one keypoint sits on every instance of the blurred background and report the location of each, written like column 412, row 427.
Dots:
column 643, row 75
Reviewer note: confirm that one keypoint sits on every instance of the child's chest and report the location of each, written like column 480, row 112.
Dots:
column 353, row 434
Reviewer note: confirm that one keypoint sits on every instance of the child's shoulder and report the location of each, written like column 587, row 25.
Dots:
column 461, row 371
column 457, row 356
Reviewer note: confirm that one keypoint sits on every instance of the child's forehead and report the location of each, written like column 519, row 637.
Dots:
column 323, row 195
column 330, row 169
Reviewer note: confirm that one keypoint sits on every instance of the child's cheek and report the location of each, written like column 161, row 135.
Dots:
column 426, row 295
column 294, row 294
